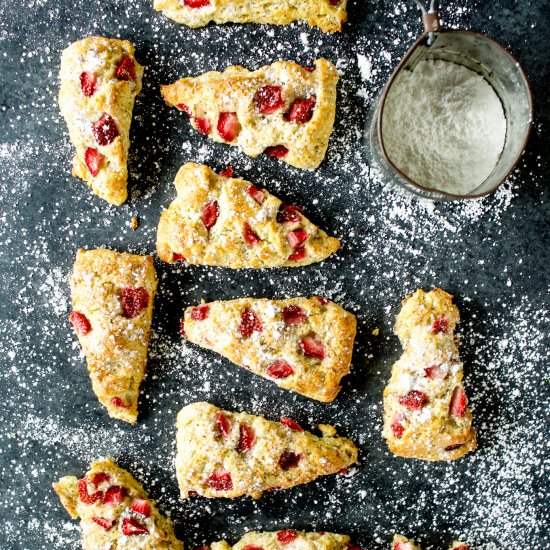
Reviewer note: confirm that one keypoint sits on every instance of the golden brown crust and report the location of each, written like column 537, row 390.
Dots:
column 113, row 95
column 116, row 345
column 215, row 463
column 318, row 13
column 119, row 510
column 270, row 541
column 236, row 91
column 182, row 231
column 216, row 326
column 425, row 414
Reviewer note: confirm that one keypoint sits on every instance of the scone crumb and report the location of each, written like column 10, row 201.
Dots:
column 134, row 224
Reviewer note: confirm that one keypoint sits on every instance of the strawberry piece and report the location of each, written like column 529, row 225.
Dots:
column 249, row 235
column 141, row 506
column 228, row 126
column 131, row 526
column 257, row 194
column 183, row 107
column 252, row 547
column 80, row 323
column 178, row 257
column 182, row 328
column 88, row 83
column 277, row 151
column 293, row 315
column 250, row 323
column 397, row 426
column 114, row 495
column 441, row 324
column 203, row 547
column 352, row 547
column 227, row 173
column 269, row 99
column 104, row 522
column 312, row 347
column 413, row 400
column 93, row 158
column 100, row 477
column 343, row 472
column 200, row 313
column 403, row 546
column 133, row 301
column 203, row 125
column 322, row 301
column 461, row 547
column 434, row 372
column 289, row 213
column 196, row 3
column 286, row 536
column 289, row 423
column 223, row 424
column 220, row 480
column 454, row 447
column 296, row 238
column 117, row 402
column 83, row 494
column 193, row 493
column 210, row 213
column 309, row 69
column 126, row 69
column 458, row 402
column 280, row 369
column 298, row 255
column 105, row 130
column 301, row 110
column 334, row 2
column 246, row 438
column 289, row 460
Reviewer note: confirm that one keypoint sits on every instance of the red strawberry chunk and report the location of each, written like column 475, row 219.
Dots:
column 183, row 107
column 289, row 460
column 133, row 301
column 277, row 151
column 196, row 3
column 84, row 495
column 104, row 522
column 300, row 254
column 257, row 194
column 88, row 83
column 182, row 328
column 296, row 238
column 458, row 402
column 403, row 546
column 454, row 447
column 269, row 99
column 228, row 126
column 441, row 324
column 117, row 402
column 141, row 506
column 223, row 424
column 413, row 400
column 312, row 347
column 249, row 235
column 203, row 547
column 250, row 323
column 80, row 323
column 293, row 315
column 105, row 130
column 131, row 526
column 289, row 213
column 93, row 158
column 126, row 69
column 291, row 424
column 246, row 438
column 309, row 69
column 178, row 257
column 210, row 213
column 200, row 313
column 286, row 536
column 301, row 110
column 227, row 173
column 203, row 125
column 114, row 495
column 397, row 427
column 334, row 2
column 461, row 547
column 322, row 301
column 279, row 370
column 252, row 547
column 193, row 493
column 220, row 480
column 435, row 371
column 100, row 477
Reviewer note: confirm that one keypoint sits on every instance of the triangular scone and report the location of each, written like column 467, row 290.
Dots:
column 283, row 109
column 302, row 344
column 403, row 543
column 328, row 15
column 99, row 81
column 112, row 298
column 425, row 407
column 295, row 539
column 228, row 222
column 225, row 454
column 115, row 511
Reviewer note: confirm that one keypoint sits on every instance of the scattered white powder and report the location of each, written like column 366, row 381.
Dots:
column 444, row 126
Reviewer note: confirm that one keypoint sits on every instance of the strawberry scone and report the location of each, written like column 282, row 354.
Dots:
column 114, row 511
column 289, row 539
column 112, row 298
column 226, row 454
column 302, row 344
column 425, row 406
column 224, row 221
column 328, row 15
column 403, row 543
column 283, row 110
column 99, row 82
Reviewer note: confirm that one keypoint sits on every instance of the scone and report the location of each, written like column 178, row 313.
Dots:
column 225, row 454
column 283, row 109
column 301, row 344
column 99, row 81
column 402, row 543
column 115, row 511
column 328, row 15
column 425, row 406
column 288, row 538
column 228, row 222
column 112, row 298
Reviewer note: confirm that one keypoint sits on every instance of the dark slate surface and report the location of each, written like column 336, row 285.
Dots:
column 492, row 254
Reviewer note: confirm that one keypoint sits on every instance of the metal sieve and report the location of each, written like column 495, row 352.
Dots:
column 482, row 55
